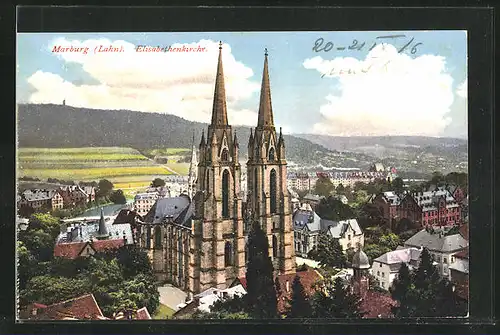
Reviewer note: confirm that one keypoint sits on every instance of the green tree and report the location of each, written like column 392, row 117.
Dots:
column 389, row 241
column 374, row 250
column 398, row 185
column 403, row 291
column 333, row 209
column 371, row 216
column 299, row 306
column 51, row 289
column 324, row 186
column 45, row 222
column 335, row 300
column 328, row 252
column 158, row 182
column 437, row 179
column 39, row 243
column 261, row 294
column 104, row 188
column 118, row 197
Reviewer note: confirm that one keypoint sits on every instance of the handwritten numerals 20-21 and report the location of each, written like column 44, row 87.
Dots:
column 319, row 44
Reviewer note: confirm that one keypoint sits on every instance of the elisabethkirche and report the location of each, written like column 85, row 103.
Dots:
column 200, row 243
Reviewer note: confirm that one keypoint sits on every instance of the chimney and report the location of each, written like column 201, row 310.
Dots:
column 288, row 286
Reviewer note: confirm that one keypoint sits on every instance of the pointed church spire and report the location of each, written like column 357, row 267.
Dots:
column 235, row 141
column 251, row 136
column 219, row 111
column 103, row 230
column 265, row 107
column 202, row 142
column 193, row 170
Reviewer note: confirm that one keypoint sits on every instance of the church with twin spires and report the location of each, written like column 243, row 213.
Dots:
column 198, row 241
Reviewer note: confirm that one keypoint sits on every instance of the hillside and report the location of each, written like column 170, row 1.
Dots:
column 57, row 126
column 409, row 153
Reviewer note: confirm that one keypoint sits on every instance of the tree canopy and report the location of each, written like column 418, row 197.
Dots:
column 333, row 209
column 158, row 182
column 328, row 252
column 335, row 300
column 324, row 186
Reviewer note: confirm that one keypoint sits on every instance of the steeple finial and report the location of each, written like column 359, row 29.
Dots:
column 202, row 142
column 265, row 51
column 219, row 110
column 235, row 141
column 265, row 106
column 103, row 230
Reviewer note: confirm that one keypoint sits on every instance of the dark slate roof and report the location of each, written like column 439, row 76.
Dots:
column 437, row 241
column 304, row 218
column 87, row 231
column 360, row 260
column 180, row 209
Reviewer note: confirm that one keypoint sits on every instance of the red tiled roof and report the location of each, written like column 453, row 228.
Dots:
column 143, row 314
column 464, row 231
column 307, row 279
column 377, row 305
column 81, row 308
column 69, row 250
column 464, row 254
column 102, row 245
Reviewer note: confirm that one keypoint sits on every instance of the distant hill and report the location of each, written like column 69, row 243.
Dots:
column 58, row 126
column 409, row 153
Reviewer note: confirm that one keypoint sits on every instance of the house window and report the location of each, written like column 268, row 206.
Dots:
column 453, row 259
column 148, row 237
column 380, row 264
column 225, row 194
column 445, row 261
column 272, row 181
column 383, row 274
column 383, row 284
column 228, row 254
column 349, row 237
column 378, row 273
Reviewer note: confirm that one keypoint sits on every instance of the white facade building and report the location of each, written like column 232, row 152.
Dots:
column 386, row 267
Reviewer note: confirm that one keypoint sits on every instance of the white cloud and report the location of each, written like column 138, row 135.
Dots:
column 179, row 83
column 462, row 89
column 387, row 93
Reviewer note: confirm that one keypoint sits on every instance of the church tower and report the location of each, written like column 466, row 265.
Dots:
column 193, row 172
column 268, row 200
column 218, row 244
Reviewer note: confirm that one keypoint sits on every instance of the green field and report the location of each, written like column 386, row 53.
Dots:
column 127, row 168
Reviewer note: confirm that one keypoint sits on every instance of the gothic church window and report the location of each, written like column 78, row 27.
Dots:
column 228, row 254
column 225, row 194
column 157, row 238
column 275, row 246
column 225, row 155
column 255, row 182
column 271, row 154
column 272, row 182
column 208, row 180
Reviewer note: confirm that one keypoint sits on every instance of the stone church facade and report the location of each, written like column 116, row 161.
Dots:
column 198, row 242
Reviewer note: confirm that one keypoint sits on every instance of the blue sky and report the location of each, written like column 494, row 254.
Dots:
column 416, row 94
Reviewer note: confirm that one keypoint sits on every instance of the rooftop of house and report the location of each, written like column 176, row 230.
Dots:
column 38, row 194
column 305, row 217
column 312, row 197
column 88, row 231
column 337, row 229
column 464, row 231
column 377, row 305
column 405, row 255
column 126, row 216
column 464, row 254
column 392, row 198
column 143, row 314
column 437, row 241
column 146, row 196
column 80, row 308
column 429, row 200
column 73, row 250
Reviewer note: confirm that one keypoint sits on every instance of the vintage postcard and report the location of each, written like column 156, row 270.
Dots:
column 242, row 175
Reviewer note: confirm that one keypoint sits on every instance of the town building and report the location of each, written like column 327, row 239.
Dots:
column 161, row 191
column 312, row 199
column 86, row 238
column 81, row 308
column 347, row 232
column 40, row 199
column 200, row 242
column 459, row 273
column 374, row 304
column 441, row 245
column 144, row 201
column 389, row 205
column 306, row 227
column 386, row 267
column 75, row 195
column 431, row 208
